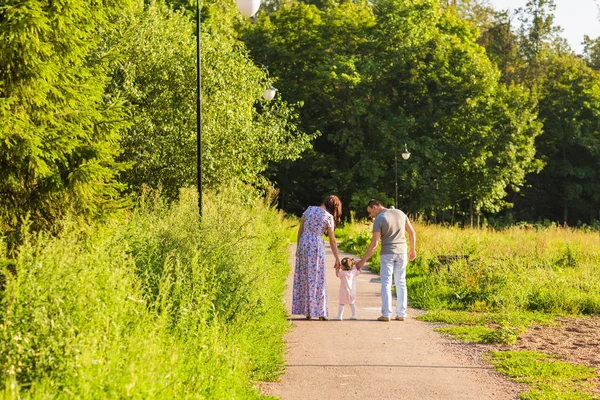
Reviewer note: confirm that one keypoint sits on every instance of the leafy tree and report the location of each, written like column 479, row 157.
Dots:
column 373, row 76
column 591, row 52
column 242, row 133
column 568, row 188
column 501, row 45
column 60, row 133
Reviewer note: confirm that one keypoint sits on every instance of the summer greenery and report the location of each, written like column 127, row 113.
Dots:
column 152, row 304
column 498, row 283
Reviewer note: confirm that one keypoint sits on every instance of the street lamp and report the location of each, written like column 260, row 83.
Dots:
column 269, row 93
column 405, row 155
column 247, row 8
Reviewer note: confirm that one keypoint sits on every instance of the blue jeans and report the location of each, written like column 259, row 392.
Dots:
column 393, row 264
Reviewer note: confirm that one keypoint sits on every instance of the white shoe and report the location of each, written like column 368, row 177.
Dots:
column 354, row 317
column 338, row 318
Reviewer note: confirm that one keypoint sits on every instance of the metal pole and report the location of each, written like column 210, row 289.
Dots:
column 198, row 110
column 396, row 162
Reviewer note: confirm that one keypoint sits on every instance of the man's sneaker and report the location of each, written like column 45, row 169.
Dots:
column 338, row 318
column 354, row 317
column 384, row 319
column 399, row 318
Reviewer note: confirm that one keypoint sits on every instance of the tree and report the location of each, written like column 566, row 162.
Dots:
column 591, row 52
column 373, row 76
column 501, row 46
column 60, row 133
column 568, row 188
column 242, row 133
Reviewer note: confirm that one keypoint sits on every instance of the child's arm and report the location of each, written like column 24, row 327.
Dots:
column 337, row 273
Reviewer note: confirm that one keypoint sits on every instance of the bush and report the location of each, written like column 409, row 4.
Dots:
column 154, row 305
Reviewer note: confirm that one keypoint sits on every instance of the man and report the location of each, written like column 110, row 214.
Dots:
column 390, row 226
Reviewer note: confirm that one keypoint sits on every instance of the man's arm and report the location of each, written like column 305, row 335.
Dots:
column 370, row 250
column 412, row 254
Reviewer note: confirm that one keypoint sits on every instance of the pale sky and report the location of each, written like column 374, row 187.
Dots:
column 575, row 17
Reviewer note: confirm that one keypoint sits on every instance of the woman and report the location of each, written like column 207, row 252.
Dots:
column 310, row 292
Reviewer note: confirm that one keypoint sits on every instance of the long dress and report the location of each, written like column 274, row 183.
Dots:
column 309, row 296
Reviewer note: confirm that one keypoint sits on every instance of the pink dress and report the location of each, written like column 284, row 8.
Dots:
column 347, row 286
column 310, row 290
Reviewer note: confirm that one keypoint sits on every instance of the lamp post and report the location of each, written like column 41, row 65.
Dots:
column 405, row 155
column 247, row 8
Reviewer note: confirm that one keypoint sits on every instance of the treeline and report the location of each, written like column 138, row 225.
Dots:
column 500, row 115
column 98, row 99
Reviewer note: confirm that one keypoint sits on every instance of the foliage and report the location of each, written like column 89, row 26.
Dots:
column 241, row 132
column 547, row 377
column 373, row 76
column 569, row 104
column 60, row 132
column 150, row 305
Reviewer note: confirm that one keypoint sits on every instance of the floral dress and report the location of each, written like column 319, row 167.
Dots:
column 310, row 292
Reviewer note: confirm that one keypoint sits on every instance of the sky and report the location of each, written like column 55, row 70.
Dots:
column 575, row 17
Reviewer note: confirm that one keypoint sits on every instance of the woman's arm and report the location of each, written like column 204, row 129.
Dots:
column 300, row 229
column 333, row 245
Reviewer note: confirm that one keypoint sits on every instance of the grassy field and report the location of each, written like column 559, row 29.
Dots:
column 150, row 305
column 518, row 269
column 488, row 286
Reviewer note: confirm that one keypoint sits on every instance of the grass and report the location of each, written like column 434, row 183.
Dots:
column 547, row 377
column 502, row 283
column 471, row 334
column 154, row 304
column 514, row 270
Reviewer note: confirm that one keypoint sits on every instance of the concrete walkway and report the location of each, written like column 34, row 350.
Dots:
column 367, row 359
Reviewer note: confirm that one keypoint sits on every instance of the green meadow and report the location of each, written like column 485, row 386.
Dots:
column 488, row 286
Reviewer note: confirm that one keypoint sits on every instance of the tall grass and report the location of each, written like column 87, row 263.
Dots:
column 553, row 270
column 153, row 305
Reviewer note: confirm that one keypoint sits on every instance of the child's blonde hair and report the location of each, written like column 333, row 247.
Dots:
column 347, row 264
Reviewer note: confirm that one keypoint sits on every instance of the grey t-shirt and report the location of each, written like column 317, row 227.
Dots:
column 391, row 224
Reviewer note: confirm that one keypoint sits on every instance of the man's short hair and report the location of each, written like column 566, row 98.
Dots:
column 373, row 203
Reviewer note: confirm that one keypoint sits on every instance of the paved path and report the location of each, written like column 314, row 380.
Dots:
column 367, row 359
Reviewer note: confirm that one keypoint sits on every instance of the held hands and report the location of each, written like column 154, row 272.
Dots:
column 359, row 265
column 337, row 265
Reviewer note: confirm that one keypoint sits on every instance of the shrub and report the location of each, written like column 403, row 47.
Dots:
column 153, row 305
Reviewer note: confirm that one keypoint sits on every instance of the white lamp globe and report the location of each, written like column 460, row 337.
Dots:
column 248, row 7
column 269, row 93
column 405, row 155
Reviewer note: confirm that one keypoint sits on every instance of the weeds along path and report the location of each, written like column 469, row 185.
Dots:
column 367, row 359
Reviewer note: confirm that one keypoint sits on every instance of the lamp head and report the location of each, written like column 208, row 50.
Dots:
column 248, row 7
column 405, row 153
column 269, row 93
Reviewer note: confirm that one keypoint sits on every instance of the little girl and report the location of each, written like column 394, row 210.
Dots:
column 347, row 277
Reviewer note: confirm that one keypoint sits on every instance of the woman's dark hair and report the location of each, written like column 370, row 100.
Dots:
column 333, row 205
